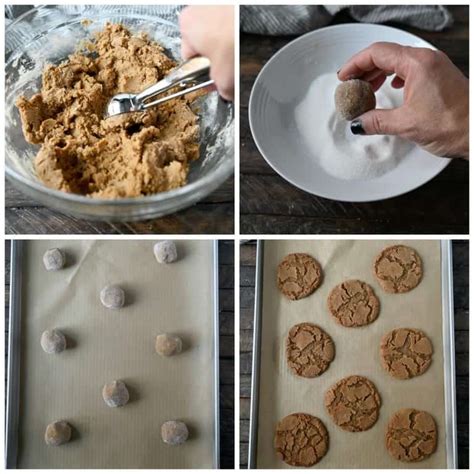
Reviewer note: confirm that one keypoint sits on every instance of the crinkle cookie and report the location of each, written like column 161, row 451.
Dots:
column 398, row 269
column 301, row 440
column 54, row 259
column 405, row 353
column 298, row 275
column 353, row 403
column 411, row 435
column 165, row 251
column 57, row 433
column 112, row 297
column 174, row 432
column 53, row 341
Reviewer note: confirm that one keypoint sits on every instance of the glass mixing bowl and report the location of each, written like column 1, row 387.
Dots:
column 48, row 35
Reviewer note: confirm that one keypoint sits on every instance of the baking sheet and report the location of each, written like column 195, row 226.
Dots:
column 110, row 345
column 357, row 352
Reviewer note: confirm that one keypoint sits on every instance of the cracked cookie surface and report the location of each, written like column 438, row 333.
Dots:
column 301, row 440
column 405, row 353
column 298, row 275
column 411, row 435
column 129, row 155
column 309, row 350
column 353, row 303
column 353, row 403
column 398, row 269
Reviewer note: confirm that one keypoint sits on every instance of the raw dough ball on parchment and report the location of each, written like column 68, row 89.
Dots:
column 54, row 259
column 174, row 432
column 112, row 297
column 168, row 345
column 53, row 341
column 57, row 433
column 165, row 251
column 115, row 394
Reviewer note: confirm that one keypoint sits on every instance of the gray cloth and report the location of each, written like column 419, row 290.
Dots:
column 299, row 19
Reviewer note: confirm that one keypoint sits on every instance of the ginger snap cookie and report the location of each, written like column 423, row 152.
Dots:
column 309, row 350
column 411, row 435
column 398, row 269
column 353, row 403
column 298, row 275
column 405, row 353
column 353, row 303
column 301, row 440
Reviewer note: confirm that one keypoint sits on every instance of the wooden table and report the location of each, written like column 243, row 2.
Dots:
column 461, row 315
column 213, row 215
column 226, row 340
column 269, row 204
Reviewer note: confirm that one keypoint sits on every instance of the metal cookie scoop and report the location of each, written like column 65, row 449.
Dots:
column 191, row 76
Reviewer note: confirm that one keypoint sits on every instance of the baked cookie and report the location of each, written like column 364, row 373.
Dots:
column 309, row 350
column 298, row 275
column 411, row 435
column 398, row 269
column 405, row 353
column 301, row 440
column 353, row 303
column 353, row 403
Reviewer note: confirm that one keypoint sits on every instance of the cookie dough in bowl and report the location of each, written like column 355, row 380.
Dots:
column 124, row 168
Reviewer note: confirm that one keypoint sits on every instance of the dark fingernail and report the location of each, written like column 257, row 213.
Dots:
column 338, row 71
column 357, row 128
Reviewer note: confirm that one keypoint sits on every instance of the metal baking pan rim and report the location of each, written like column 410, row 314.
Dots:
column 13, row 381
column 448, row 348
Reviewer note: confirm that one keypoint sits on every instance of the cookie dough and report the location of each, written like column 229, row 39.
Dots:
column 301, row 440
column 298, row 275
column 406, row 353
column 174, row 432
column 165, row 251
column 309, row 350
column 353, row 303
column 353, row 98
column 54, row 259
column 57, row 433
column 398, row 269
column 124, row 156
column 168, row 345
column 411, row 435
column 53, row 341
column 112, row 297
column 115, row 394
column 353, row 403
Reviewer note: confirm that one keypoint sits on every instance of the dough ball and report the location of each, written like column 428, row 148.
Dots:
column 353, row 98
column 165, row 251
column 53, row 341
column 174, row 432
column 115, row 394
column 57, row 433
column 168, row 345
column 54, row 259
column 112, row 297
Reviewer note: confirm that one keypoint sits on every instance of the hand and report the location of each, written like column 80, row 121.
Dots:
column 209, row 31
column 435, row 110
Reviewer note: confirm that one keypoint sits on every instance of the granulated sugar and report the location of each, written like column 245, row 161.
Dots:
column 330, row 140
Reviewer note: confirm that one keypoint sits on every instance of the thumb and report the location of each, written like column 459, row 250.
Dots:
column 379, row 122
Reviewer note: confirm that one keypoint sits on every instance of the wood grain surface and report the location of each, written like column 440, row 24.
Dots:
column 461, row 315
column 226, row 340
column 213, row 215
column 269, row 204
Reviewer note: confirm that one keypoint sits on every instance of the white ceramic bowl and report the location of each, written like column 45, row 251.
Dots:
column 283, row 83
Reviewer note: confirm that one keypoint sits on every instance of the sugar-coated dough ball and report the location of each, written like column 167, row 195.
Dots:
column 54, row 259
column 174, row 432
column 353, row 98
column 53, row 341
column 168, row 345
column 58, row 432
column 115, row 394
column 165, row 251
column 112, row 297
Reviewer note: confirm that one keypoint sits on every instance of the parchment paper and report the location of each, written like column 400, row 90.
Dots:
column 357, row 352
column 118, row 344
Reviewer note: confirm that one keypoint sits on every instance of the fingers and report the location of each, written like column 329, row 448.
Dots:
column 385, row 57
column 380, row 122
column 187, row 50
